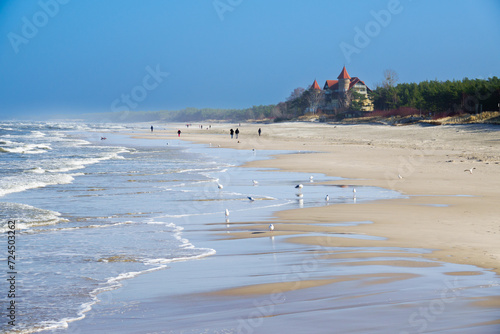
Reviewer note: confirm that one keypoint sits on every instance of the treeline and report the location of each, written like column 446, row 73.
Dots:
column 184, row 115
column 435, row 97
column 451, row 97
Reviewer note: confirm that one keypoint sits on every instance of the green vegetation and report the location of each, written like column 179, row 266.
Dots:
column 440, row 98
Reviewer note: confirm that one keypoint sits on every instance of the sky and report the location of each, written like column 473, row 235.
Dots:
column 65, row 57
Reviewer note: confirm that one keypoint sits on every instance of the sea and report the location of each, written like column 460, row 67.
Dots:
column 95, row 209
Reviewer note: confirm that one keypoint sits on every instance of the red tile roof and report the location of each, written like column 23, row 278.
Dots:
column 344, row 74
column 333, row 84
column 330, row 83
column 315, row 85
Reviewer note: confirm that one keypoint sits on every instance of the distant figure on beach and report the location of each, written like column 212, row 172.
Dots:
column 231, row 132
column 260, row 131
column 179, row 133
column 151, row 128
column 237, row 133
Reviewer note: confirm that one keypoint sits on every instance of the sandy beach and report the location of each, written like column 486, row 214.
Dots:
column 399, row 259
column 451, row 211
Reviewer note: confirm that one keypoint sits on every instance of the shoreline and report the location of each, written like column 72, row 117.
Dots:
column 326, row 263
column 443, row 198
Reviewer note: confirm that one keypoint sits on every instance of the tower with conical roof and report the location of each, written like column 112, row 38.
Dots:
column 344, row 81
column 315, row 85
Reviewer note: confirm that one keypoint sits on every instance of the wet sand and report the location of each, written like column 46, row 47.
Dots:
column 435, row 251
column 451, row 211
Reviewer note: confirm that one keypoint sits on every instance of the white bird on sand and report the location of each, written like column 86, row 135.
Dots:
column 219, row 186
column 299, row 186
column 327, row 198
column 227, row 212
column 271, row 227
column 470, row 170
column 400, row 177
column 255, row 182
column 251, row 198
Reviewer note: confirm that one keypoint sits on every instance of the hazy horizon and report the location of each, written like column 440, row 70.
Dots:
column 62, row 57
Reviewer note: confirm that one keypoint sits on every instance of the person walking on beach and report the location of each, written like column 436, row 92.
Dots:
column 179, row 133
column 260, row 131
column 231, row 132
column 151, row 128
column 237, row 132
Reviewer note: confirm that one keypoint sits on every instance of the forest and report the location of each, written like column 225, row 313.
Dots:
column 437, row 97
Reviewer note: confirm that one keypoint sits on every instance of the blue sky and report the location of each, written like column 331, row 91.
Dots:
column 73, row 56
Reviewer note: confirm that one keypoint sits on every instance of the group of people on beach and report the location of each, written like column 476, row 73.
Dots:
column 231, row 132
column 237, row 132
column 234, row 132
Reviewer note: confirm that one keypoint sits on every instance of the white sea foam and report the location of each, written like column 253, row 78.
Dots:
column 15, row 147
column 12, row 184
column 37, row 134
column 36, row 170
column 27, row 216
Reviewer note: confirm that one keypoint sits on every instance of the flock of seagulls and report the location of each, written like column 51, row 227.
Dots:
column 300, row 195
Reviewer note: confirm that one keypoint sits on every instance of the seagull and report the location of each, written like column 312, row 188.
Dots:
column 400, row 177
column 227, row 212
column 299, row 186
column 327, row 198
column 470, row 170
column 220, row 186
column 255, row 182
column 271, row 227
column 354, row 191
column 311, row 178
column 251, row 198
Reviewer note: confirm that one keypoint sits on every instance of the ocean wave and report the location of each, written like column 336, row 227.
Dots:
column 37, row 134
column 25, row 148
column 36, row 170
column 12, row 184
column 116, row 281
column 27, row 216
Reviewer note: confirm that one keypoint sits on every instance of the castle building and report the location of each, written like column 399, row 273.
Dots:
column 336, row 91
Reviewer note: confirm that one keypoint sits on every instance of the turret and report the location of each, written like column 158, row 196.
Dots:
column 344, row 80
